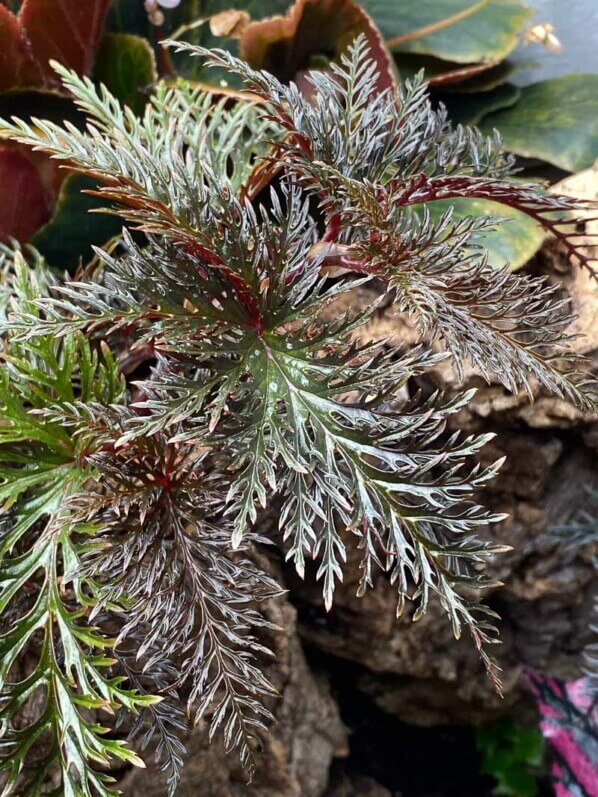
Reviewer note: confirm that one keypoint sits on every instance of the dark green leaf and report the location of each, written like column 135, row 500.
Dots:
column 512, row 754
column 129, row 17
column 68, row 237
column 488, row 31
column 555, row 120
column 126, row 65
column 470, row 109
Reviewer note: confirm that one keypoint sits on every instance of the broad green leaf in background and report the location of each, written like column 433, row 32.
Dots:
column 283, row 37
column 470, row 109
column 126, row 65
column 469, row 34
column 69, row 235
column 484, row 31
column 555, row 120
column 514, row 242
column 474, row 30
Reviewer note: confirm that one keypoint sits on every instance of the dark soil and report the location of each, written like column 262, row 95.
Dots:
column 410, row 761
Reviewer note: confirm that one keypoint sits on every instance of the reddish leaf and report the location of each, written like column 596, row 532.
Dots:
column 17, row 66
column 67, row 30
column 460, row 74
column 440, row 73
column 23, row 205
column 50, row 172
column 287, row 46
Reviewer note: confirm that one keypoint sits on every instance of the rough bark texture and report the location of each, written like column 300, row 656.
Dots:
column 357, row 787
column 417, row 671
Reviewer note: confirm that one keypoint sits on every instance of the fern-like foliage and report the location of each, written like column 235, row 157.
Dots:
column 257, row 221
column 101, row 547
column 164, row 563
column 54, row 663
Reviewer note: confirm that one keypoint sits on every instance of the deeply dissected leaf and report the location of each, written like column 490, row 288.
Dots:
column 126, row 65
column 232, row 137
column 43, row 597
column 102, row 505
column 382, row 204
column 23, row 200
column 161, row 498
column 71, row 659
column 555, row 120
column 68, row 237
column 255, row 388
